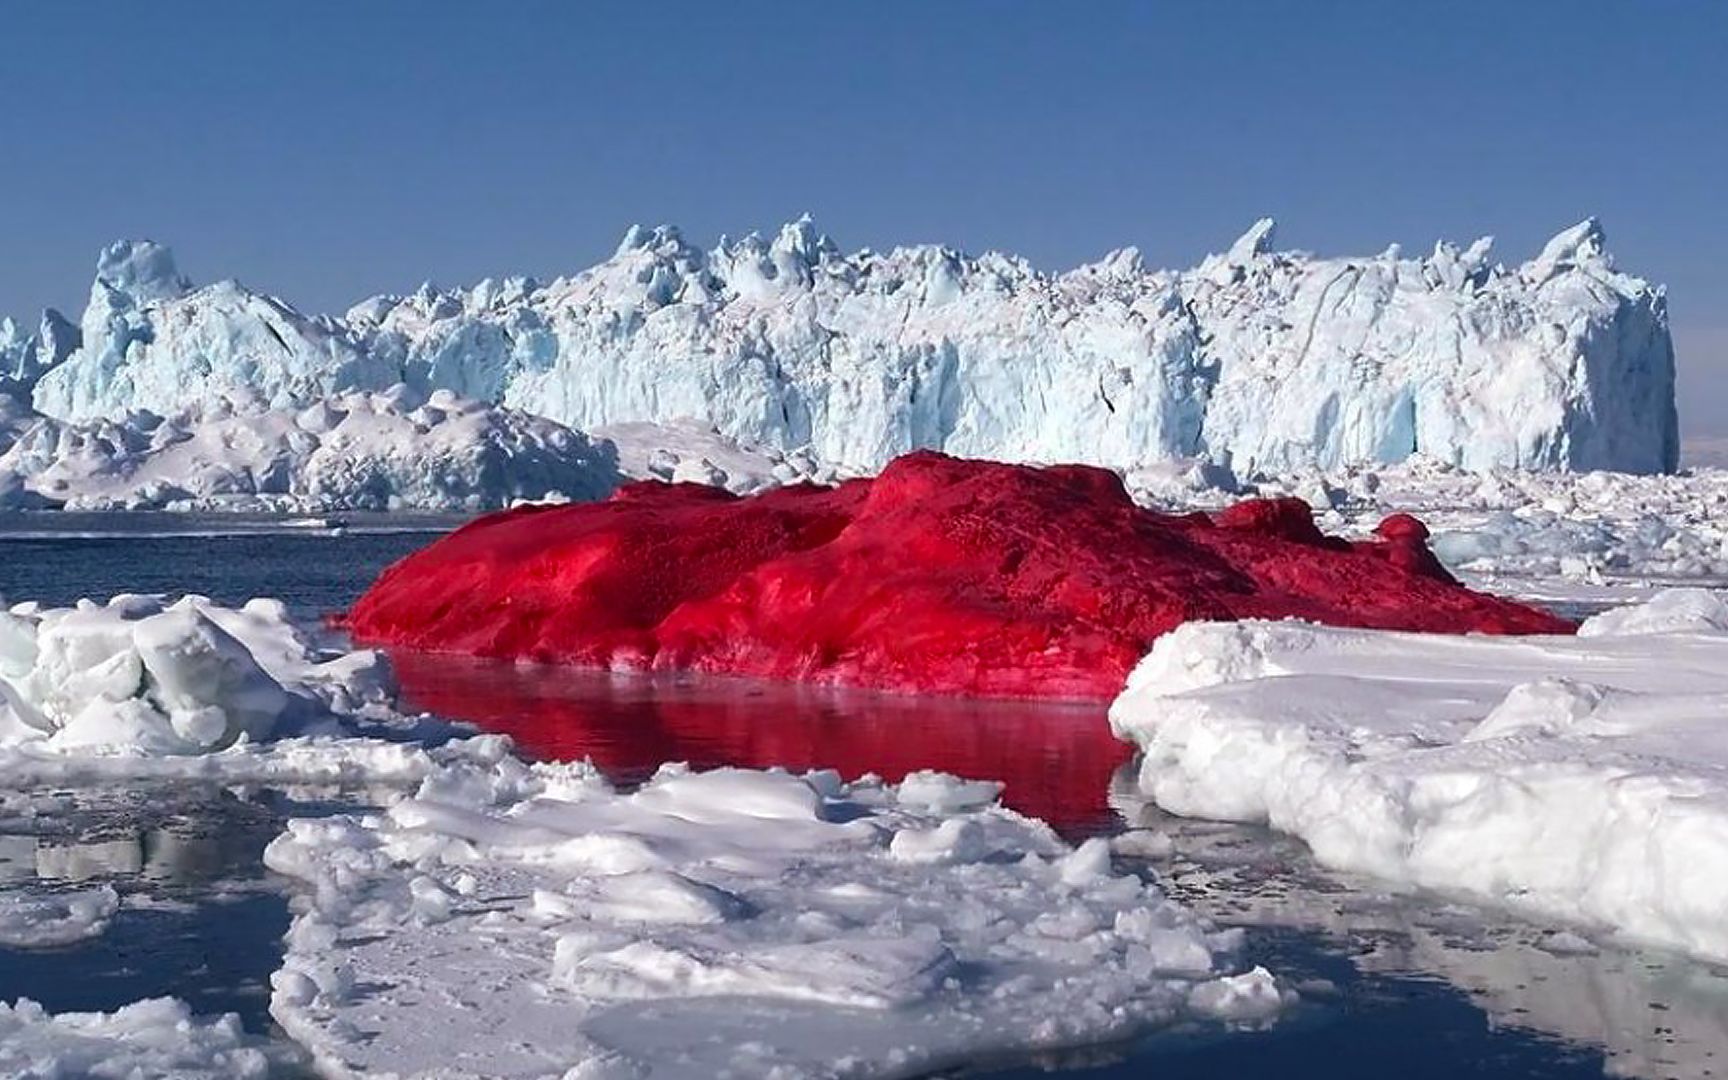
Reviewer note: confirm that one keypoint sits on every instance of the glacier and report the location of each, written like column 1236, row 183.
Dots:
column 1261, row 360
column 26, row 356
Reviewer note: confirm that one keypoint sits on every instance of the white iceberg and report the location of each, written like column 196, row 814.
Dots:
column 517, row 921
column 355, row 451
column 1260, row 359
column 1582, row 779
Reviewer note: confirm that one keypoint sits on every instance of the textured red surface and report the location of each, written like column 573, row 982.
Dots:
column 939, row 576
column 1055, row 759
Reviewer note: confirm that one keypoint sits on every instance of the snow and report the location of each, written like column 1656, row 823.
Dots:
column 156, row 1037
column 385, row 451
column 689, row 451
column 1530, row 532
column 42, row 919
column 141, row 688
column 1583, row 779
column 1259, row 359
column 513, row 920
column 141, row 676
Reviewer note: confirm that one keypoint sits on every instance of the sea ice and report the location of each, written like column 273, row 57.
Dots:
column 1553, row 534
column 139, row 675
column 514, row 921
column 1652, row 1014
column 46, row 919
column 1584, row 779
column 158, row 1037
column 140, row 687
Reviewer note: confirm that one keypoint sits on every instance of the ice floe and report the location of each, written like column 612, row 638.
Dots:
column 511, row 920
column 1584, row 779
column 157, row 1037
column 141, row 675
column 45, row 919
column 141, row 687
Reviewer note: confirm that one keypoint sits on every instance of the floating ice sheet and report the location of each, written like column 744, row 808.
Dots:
column 517, row 921
column 1581, row 778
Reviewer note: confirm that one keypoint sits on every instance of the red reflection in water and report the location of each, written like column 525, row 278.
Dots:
column 1055, row 759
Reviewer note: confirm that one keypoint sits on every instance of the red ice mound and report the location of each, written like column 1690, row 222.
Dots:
column 939, row 576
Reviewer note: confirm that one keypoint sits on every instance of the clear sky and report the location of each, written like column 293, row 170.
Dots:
column 327, row 151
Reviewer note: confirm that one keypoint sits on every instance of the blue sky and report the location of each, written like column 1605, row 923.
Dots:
column 326, row 151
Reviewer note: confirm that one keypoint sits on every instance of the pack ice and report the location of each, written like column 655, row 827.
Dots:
column 534, row 921
column 1262, row 359
column 1590, row 536
column 1584, row 779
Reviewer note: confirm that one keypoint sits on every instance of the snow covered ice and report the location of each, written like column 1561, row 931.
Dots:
column 47, row 919
column 1652, row 1014
column 158, row 1037
column 534, row 921
column 138, row 675
column 355, row 451
column 143, row 688
column 1584, row 779
column 1262, row 359
column 1598, row 535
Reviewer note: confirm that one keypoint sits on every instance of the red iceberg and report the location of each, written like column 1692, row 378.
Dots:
column 938, row 576
column 1055, row 759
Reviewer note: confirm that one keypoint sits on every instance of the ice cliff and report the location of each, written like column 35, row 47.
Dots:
column 1263, row 359
column 25, row 356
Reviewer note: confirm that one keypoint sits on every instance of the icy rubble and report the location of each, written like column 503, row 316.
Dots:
column 140, row 688
column 518, row 921
column 157, row 1037
column 354, row 451
column 1552, row 532
column 1262, row 359
column 142, row 676
column 46, row 919
column 1583, row 779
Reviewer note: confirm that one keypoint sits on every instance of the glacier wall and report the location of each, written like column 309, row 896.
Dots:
column 1262, row 359
column 26, row 356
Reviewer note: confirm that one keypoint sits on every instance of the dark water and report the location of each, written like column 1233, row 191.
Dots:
column 190, row 854
column 59, row 558
column 1391, row 985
